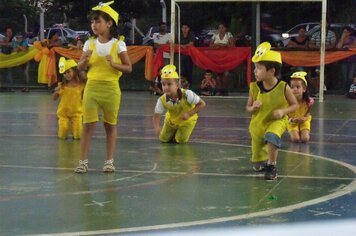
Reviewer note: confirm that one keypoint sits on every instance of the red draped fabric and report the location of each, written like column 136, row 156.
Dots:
column 217, row 60
column 310, row 58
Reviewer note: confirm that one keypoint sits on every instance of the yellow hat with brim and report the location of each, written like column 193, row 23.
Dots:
column 300, row 75
column 105, row 7
column 264, row 53
column 169, row 72
column 65, row 65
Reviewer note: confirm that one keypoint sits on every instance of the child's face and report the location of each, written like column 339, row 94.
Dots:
column 100, row 26
column 298, row 88
column 261, row 72
column 170, row 87
column 69, row 74
column 208, row 75
column 80, row 44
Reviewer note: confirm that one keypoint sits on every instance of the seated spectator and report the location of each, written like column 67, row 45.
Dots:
column 348, row 65
column 79, row 44
column 184, row 83
column 54, row 40
column 352, row 90
column 222, row 39
column 330, row 40
column 162, row 38
column 208, row 84
column 300, row 41
column 19, row 44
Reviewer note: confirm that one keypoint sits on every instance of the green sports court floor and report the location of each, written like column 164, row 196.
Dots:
column 169, row 188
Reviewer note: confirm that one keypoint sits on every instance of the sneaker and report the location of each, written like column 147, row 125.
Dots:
column 82, row 167
column 109, row 166
column 271, row 172
column 259, row 167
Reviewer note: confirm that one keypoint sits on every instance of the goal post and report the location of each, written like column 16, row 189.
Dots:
column 174, row 4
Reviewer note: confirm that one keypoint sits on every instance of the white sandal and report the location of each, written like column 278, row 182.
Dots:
column 109, row 166
column 82, row 167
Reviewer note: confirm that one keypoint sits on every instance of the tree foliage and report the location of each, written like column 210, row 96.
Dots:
column 200, row 15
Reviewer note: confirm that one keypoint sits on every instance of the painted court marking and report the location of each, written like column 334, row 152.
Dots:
column 339, row 192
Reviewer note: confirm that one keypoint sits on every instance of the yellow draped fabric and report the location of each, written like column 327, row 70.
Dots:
column 47, row 69
column 17, row 58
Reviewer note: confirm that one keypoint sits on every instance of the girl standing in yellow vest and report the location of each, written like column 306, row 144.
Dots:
column 69, row 111
column 106, row 59
column 269, row 101
column 299, row 120
column 181, row 105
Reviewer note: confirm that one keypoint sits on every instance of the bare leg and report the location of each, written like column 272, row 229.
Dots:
column 111, row 135
column 88, row 130
column 294, row 136
column 305, row 135
column 272, row 153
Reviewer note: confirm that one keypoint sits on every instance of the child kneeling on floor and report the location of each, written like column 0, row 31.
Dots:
column 181, row 105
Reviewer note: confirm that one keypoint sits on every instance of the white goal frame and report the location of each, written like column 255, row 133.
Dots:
column 174, row 4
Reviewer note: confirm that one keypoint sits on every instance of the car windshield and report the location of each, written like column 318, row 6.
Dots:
column 70, row 31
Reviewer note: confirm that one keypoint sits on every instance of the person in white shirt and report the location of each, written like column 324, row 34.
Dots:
column 162, row 38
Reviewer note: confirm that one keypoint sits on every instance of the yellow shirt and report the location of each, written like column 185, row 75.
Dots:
column 99, row 66
column 70, row 101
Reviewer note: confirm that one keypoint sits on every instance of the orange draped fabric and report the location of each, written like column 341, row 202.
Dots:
column 312, row 58
column 136, row 53
column 217, row 60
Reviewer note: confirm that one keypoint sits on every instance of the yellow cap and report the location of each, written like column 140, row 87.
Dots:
column 264, row 53
column 169, row 72
column 104, row 7
column 65, row 65
column 300, row 75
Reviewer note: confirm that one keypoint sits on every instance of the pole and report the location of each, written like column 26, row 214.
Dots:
column 322, row 50
column 164, row 11
column 25, row 18
column 173, row 18
column 41, row 23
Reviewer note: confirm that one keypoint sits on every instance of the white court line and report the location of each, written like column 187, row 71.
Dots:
column 338, row 193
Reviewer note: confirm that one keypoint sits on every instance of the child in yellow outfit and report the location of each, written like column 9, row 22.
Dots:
column 105, row 58
column 299, row 120
column 182, row 106
column 69, row 111
column 269, row 102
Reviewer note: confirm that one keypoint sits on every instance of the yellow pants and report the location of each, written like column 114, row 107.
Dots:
column 64, row 124
column 180, row 133
column 101, row 95
column 258, row 142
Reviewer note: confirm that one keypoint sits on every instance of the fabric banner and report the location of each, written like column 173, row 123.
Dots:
column 17, row 58
column 310, row 58
column 47, row 70
column 216, row 60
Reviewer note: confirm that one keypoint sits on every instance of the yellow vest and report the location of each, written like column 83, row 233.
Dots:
column 100, row 68
column 271, row 100
column 175, row 111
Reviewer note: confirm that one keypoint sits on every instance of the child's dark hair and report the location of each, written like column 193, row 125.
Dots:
column 305, row 96
column 113, row 29
column 208, row 72
column 272, row 65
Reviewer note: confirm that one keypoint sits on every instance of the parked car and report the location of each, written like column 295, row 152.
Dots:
column 313, row 27
column 66, row 34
